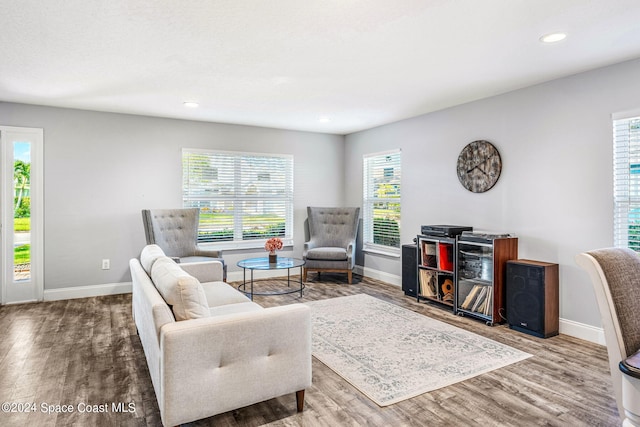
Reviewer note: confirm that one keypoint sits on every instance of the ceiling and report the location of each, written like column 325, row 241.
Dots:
column 290, row 63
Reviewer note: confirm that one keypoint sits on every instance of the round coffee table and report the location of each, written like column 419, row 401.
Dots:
column 282, row 263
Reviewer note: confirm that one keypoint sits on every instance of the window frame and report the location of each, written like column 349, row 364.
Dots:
column 626, row 187
column 369, row 200
column 238, row 197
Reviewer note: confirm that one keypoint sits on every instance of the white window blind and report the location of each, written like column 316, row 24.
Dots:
column 626, row 182
column 381, row 201
column 244, row 198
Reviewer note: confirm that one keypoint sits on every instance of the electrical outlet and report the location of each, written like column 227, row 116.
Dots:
column 106, row 264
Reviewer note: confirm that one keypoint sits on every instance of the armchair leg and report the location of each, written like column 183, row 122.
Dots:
column 300, row 400
column 304, row 274
column 349, row 276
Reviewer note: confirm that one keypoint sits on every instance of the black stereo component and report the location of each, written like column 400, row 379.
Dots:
column 483, row 236
column 409, row 270
column 532, row 297
column 444, row 230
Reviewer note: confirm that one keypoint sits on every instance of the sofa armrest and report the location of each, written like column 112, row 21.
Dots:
column 216, row 364
column 150, row 313
column 204, row 271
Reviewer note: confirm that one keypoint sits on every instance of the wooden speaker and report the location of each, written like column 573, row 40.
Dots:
column 409, row 270
column 532, row 297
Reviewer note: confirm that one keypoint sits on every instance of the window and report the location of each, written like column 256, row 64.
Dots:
column 626, row 182
column 244, row 198
column 381, row 202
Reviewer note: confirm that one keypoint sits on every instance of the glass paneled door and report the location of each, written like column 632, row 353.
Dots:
column 21, row 214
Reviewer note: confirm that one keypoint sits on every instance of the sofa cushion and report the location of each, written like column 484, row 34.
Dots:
column 328, row 253
column 220, row 293
column 241, row 307
column 180, row 290
column 149, row 255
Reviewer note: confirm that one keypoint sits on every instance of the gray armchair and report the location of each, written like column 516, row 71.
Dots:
column 176, row 232
column 615, row 275
column 332, row 240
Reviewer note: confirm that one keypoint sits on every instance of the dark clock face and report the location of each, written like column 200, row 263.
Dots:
column 479, row 166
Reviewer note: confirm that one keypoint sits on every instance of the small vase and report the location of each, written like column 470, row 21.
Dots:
column 273, row 258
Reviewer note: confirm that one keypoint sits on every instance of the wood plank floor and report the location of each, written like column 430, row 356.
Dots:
column 85, row 353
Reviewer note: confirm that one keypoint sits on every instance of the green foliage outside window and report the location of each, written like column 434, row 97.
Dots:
column 386, row 232
column 22, row 254
column 23, row 207
column 22, row 178
column 634, row 237
column 255, row 233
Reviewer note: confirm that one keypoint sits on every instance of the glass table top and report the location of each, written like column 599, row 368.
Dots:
column 263, row 263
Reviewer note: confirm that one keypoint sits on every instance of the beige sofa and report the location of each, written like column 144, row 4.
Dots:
column 210, row 349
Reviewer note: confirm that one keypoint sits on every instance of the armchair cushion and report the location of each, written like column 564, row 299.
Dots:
column 327, row 253
column 179, row 289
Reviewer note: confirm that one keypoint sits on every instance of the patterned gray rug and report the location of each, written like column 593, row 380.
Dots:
column 391, row 354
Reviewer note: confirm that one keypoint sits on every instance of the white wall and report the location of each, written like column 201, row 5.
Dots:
column 102, row 169
column 555, row 191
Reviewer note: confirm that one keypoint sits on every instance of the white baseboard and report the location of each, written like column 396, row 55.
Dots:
column 378, row 275
column 87, row 291
column 582, row 331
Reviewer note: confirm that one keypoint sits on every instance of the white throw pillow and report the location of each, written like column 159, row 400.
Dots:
column 149, row 255
column 179, row 289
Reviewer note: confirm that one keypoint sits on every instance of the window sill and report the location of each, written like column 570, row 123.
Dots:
column 236, row 246
column 391, row 253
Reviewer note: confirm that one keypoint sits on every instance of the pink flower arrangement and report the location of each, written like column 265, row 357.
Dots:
column 273, row 244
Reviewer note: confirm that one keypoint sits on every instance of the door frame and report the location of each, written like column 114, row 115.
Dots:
column 34, row 289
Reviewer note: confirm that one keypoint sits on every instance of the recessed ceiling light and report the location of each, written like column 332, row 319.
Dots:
column 190, row 104
column 324, row 119
column 553, row 37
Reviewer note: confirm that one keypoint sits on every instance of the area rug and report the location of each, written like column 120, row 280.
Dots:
column 391, row 354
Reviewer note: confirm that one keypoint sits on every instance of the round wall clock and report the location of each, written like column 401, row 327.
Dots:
column 479, row 166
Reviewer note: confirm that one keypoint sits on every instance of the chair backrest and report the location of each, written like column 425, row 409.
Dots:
column 174, row 230
column 615, row 274
column 333, row 227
